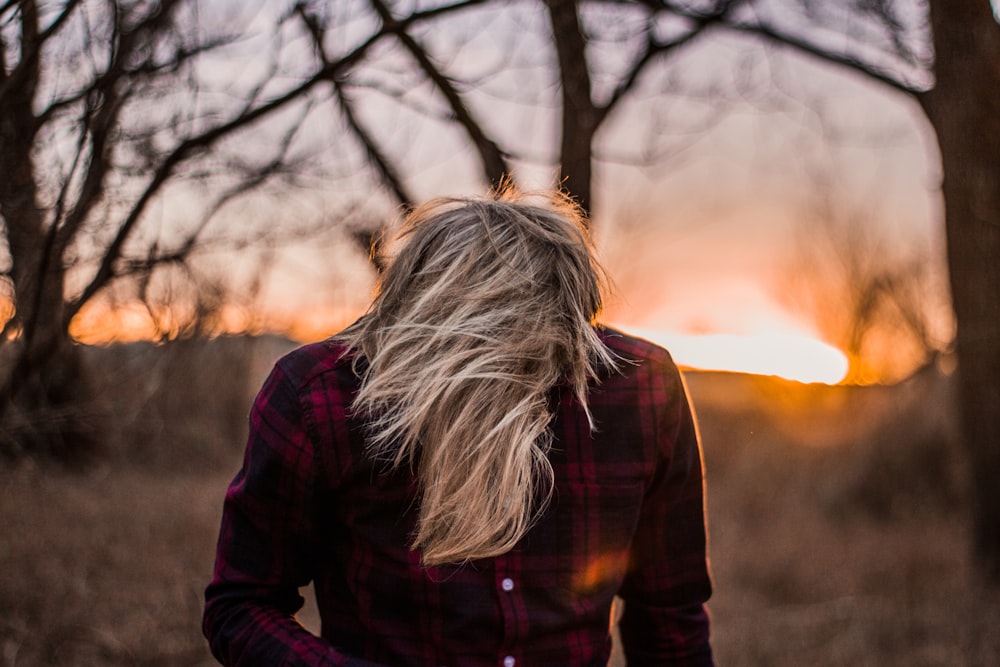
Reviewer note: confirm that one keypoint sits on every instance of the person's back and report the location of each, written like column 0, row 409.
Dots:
column 470, row 473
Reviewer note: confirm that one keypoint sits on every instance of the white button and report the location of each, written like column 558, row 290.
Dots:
column 508, row 585
column 509, row 660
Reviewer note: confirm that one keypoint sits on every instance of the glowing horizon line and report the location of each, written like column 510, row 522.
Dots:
column 780, row 352
column 792, row 356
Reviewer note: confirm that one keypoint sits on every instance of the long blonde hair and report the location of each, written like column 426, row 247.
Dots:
column 487, row 305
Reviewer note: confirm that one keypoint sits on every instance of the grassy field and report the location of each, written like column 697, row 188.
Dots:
column 836, row 515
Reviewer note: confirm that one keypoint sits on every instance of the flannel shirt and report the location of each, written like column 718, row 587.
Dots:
column 626, row 519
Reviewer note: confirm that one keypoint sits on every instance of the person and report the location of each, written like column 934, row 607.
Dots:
column 472, row 472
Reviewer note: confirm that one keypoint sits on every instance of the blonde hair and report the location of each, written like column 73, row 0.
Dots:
column 487, row 305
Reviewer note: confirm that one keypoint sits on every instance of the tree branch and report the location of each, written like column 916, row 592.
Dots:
column 32, row 43
column 367, row 239
column 802, row 46
column 653, row 50
column 191, row 146
column 105, row 101
column 386, row 171
column 198, row 143
column 723, row 16
column 491, row 157
column 383, row 166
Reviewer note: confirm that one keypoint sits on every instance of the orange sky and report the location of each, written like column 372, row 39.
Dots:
column 781, row 352
column 699, row 246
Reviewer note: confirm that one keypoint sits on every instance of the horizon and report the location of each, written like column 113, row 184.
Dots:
column 797, row 356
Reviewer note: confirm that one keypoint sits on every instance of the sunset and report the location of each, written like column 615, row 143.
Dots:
column 796, row 199
column 786, row 355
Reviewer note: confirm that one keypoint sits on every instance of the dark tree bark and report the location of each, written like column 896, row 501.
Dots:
column 580, row 118
column 964, row 108
column 41, row 400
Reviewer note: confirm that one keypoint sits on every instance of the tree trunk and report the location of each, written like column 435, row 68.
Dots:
column 580, row 118
column 48, row 410
column 964, row 108
column 45, row 385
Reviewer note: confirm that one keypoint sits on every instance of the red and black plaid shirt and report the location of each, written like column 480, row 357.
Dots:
column 626, row 519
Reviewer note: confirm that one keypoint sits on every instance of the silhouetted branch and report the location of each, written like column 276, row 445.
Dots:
column 491, row 157
column 383, row 165
column 32, row 42
column 804, row 46
column 652, row 50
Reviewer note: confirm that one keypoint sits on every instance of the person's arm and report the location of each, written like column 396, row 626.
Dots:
column 266, row 543
column 665, row 621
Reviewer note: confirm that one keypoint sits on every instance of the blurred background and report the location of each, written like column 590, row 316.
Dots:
column 798, row 199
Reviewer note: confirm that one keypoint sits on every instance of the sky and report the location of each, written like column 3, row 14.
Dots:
column 743, row 152
column 708, row 238
column 703, row 245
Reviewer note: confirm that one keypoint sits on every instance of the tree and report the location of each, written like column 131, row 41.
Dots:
column 945, row 55
column 948, row 63
column 965, row 111
column 889, row 43
column 875, row 299
column 106, row 107
column 110, row 108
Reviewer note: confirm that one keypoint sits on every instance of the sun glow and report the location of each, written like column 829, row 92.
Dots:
column 798, row 357
column 793, row 356
column 101, row 324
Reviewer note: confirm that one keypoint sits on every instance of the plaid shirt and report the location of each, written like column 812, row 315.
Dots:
column 626, row 519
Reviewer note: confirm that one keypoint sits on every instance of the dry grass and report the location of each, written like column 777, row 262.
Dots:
column 834, row 542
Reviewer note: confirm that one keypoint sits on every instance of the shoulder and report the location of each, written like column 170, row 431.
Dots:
column 322, row 361
column 631, row 350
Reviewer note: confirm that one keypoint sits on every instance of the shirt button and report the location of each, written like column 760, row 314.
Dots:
column 508, row 585
column 509, row 661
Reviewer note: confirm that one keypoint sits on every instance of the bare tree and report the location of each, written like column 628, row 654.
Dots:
column 944, row 55
column 965, row 111
column 109, row 109
column 108, row 106
column 875, row 296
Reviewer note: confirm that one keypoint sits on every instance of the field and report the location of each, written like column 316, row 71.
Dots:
column 836, row 516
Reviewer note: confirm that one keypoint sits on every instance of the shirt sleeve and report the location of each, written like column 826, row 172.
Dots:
column 266, row 543
column 665, row 621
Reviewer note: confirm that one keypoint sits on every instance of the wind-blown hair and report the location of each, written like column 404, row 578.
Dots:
column 486, row 306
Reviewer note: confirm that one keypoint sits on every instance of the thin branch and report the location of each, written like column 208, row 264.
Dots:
column 383, row 166
column 192, row 146
column 438, row 11
column 104, row 105
column 493, row 161
column 775, row 36
column 208, row 138
column 398, row 93
column 146, row 70
column 31, row 45
column 253, row 179
column 653, row 50
column 724, row 18
column 9, row 5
